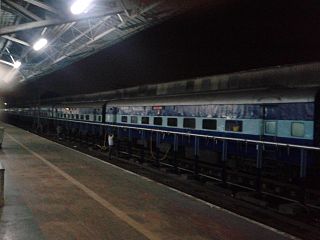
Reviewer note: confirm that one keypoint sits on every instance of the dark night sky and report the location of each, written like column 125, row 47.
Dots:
column 235, row 36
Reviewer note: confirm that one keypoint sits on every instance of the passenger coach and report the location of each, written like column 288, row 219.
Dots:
column 287, row 116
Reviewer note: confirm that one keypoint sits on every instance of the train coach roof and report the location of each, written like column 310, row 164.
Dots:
column 80, row 105
column 230, row 97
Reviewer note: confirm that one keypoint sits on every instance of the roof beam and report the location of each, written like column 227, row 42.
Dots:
column 7, row 63
column 13, row 39
column 51, row 22
column 43, row 6
column 25, row 12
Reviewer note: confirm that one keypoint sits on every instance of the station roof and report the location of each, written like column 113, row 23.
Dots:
column 70, row 37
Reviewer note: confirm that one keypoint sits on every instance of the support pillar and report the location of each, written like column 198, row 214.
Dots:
column 142, row 147
column 196, row 157
column 157, row 161
column 130, row 143
column 224, row 156
column 175, row 153
column 303, row 174
column 259, row 148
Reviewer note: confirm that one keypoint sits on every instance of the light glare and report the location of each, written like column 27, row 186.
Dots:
column 41, row 43
column 80, row 6
column 17, row 64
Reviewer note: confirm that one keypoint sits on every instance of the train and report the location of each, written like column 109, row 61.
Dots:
column 285, row 116
column 257, row 138
column 192, row 123
column 207, row 128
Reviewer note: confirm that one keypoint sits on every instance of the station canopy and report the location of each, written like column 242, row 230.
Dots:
column 39, row 37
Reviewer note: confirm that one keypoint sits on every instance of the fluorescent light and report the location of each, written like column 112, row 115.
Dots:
column 41, row 43
column 16, row 64
column 80, row 6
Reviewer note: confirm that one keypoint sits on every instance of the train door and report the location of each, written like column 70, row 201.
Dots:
column 95, row 112
column 269, row 131
column 111, row 114
column 103, row 113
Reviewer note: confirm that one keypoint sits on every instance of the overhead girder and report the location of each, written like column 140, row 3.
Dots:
column 71, row 37
column 25, row 12
column 13, row 39
column 52, row 22
column 43, row 6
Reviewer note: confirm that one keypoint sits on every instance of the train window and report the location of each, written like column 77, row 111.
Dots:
column 145, row 120
column 81, row 117
column 210, row 124
column 64, row 115
column 297, row 129
column 72, row 116
column 134, row 119
column 87, row 117
column 172, row 122
column 77, row 116
column 99, row 118
column 233, row 125
column 124, row 119
column 189, row 123
column 157, row 121
column 270, row 127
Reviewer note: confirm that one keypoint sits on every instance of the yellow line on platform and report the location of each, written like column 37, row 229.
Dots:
column 117, row 212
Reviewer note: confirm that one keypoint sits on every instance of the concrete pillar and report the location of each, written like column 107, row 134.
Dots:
column 1, row 185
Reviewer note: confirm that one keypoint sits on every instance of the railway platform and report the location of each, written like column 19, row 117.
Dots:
column 55, row 192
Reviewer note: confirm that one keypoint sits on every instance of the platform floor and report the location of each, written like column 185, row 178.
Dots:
column 53, row 192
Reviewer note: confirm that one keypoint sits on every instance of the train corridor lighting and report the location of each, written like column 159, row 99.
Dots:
column 40, row 44
column 80, row 6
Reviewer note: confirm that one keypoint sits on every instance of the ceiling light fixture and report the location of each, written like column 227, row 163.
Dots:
column 80, row 6
column 40, row 44
column 14, row 64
